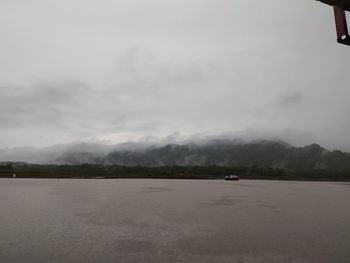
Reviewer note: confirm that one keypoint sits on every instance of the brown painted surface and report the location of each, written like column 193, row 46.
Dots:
column 344, row 4
column 341, row 26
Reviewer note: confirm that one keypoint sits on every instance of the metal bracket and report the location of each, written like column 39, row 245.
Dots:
column 341, row 26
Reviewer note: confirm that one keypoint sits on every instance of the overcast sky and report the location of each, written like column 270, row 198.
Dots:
column 88, row 70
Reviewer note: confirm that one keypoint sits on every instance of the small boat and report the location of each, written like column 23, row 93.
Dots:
column 231, row 177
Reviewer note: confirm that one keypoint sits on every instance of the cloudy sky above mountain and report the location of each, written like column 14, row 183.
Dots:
column 124, row 70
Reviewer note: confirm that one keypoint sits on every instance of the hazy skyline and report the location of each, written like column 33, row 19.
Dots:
column 124, row 70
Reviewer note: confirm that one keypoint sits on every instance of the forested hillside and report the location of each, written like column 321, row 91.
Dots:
column 226, row 153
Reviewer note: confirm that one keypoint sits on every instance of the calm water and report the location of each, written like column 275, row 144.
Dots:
column 174, row 221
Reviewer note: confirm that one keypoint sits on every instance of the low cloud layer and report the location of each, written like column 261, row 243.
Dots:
column 130, row 70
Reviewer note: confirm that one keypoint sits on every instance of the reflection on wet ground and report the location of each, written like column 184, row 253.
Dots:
column 146, row 190
column 225, row 200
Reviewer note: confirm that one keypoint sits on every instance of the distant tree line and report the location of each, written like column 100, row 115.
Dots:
column 180, row 172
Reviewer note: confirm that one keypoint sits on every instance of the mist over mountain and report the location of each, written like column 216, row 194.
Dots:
column 221, row 152
column 275, row 154
column 75, row 153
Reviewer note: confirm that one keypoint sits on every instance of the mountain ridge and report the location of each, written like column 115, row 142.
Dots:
column 264, row 153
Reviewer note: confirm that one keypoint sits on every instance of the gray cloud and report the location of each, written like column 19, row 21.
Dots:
column 289, row 99
column 127, row 70
column 42, row 104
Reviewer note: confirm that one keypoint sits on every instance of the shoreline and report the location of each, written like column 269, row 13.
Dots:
column 217, row 178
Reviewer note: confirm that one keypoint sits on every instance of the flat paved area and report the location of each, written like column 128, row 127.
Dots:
column 149, row 220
